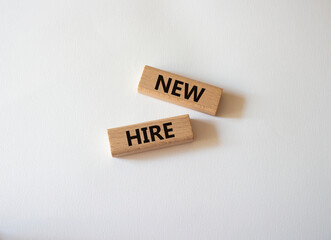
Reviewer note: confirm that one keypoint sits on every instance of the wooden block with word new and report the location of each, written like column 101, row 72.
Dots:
column 150, row 135
column 180, row 90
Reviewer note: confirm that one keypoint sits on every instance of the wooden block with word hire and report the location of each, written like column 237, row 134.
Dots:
column 150, row 135
column 180, row 90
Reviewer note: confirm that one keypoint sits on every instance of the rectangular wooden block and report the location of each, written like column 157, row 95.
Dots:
column 150, row 135
column 180, row 90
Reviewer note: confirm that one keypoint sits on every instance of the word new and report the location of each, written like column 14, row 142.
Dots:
column 154, row 131
column 175, row 88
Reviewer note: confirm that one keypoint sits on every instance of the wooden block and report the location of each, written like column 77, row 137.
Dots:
column 150, row 135
column 180, row 90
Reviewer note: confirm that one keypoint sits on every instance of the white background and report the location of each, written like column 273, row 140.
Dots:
column 69, row 70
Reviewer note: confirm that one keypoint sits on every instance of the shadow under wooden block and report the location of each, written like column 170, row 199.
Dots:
column 231, row 105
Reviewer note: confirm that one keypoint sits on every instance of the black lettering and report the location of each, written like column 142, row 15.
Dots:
column 167, row 130
column 146, row 140
column 161, row 80
column 175, row 88
column 155, row 133
column 137, row 136
column 194, row 89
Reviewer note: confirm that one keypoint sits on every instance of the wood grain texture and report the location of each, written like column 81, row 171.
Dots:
column 150, row 135
column 180, row 90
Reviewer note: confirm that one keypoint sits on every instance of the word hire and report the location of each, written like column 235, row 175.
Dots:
column 150, row 135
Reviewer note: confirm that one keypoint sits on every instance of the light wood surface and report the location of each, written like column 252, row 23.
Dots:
column 150, row 135
column 180, row 90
